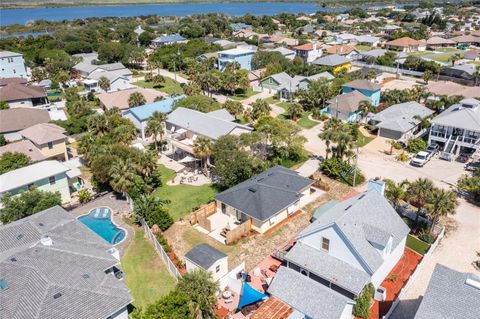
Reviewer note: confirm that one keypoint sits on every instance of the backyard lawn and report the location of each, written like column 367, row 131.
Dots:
column 145, row 273
column 442, row 58
column 363, row 47
column 304, row 121
column 169, row 87
column 183, row 199
column 446, row 49
column 417, row 245
column 242, row 96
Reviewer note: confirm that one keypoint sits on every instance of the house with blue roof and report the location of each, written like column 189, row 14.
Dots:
column 139, row 115
column 167, row 40
column 367, row 88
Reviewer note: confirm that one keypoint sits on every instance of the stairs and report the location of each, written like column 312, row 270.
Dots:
column 447, row 153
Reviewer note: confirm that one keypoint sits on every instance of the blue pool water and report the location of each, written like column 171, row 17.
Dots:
column 99, row 220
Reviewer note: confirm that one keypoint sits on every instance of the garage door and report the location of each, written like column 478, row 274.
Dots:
column 394, row 135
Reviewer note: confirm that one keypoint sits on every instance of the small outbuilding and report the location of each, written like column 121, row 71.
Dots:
column 207, row 258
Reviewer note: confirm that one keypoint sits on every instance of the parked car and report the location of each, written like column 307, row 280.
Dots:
column 420, row 159
column 432, row 149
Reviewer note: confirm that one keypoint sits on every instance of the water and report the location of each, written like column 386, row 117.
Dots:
column 22, row 16
column 103, row 227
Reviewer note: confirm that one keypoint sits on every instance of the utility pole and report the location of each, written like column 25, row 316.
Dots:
column 355, row 168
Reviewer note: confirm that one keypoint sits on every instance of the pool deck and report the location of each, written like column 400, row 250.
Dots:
column 119, row 208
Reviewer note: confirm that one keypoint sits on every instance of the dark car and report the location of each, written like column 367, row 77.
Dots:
column 432, row 149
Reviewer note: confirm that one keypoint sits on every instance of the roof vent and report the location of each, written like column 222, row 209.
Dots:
column 46, row 241
column 85, row 276
column 40, row 224
column 57, row 295
column 3, row 284
column 253, row 190
column 361, row 197
column 472, row 282
column 13, row 259
column 19, row 236
column 348, row 207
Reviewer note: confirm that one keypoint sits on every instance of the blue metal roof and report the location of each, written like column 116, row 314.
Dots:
column 143, row 112
column 169, row 38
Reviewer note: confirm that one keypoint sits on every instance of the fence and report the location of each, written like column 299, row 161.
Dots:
column 171, row 267
column 200, row 216
column 415, row 274
column 237, row 233
column 387, row 68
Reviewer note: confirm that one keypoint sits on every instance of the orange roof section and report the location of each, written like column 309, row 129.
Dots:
column 273, row 308
column 340, row 49
column 404, row 42
column 307, row 46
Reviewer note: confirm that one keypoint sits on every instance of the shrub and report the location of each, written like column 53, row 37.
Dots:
column 341, row 171
column 416, row 145
column 163, row 241
column 426, row 237
column 402, row 157
column 361, row 308
column 84, row 196
column 396, row 145
column 161, row 218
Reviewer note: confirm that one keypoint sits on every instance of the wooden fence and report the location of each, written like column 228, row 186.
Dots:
column 239, row 232
column 200, row 216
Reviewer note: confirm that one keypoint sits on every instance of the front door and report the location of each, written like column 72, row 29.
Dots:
column 239, row 215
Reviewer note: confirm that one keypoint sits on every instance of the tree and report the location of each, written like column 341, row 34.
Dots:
column 395, row 192
column 10, row 161
column 201, row 103
column 476, row 74
column 440, row 203
column 203, row 149
column 454, row 58
column 26, row 204
column 200, row 288
column 110, row 52
column 361, row 308
column 295, row 110
column 136, row 99
column 192, row 88
column 259, row 109
column 151, row 209
column 471, row 185
column 3, row 140
column 415, row 145
column 235, row 108
column 104, row 83
column 155, row 126
column 174, row 305
column 427, row 76
column 420, row 191
column 158, row 80
column 123, row 175
column 4, row 105
column 84, row 196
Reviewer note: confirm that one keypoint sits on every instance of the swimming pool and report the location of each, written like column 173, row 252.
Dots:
column 99, row 220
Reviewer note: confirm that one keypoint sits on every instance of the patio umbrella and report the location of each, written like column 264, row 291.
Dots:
column 249, row 296
column 188, row 159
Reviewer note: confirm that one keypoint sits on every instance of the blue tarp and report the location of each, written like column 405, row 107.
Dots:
column 249, row 296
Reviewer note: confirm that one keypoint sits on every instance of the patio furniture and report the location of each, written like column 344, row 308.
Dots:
column 273, row 268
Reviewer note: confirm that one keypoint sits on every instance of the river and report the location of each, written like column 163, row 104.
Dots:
column 22, row 16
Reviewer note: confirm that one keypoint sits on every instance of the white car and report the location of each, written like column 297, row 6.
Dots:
column 420, row 159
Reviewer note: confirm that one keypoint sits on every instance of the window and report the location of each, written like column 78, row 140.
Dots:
column 325, row 243
column 217, row 269
column 51, row 180
column 50, row 145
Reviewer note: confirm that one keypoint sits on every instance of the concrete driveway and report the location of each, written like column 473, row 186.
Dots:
column 314, row 144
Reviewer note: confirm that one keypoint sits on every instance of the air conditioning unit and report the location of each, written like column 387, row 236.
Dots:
column 380, row 293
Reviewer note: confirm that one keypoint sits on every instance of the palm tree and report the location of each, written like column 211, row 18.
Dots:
column 395, row 192
column 295, row 110
column 155, row 126
column 419, row 192
column 476, row 74
column 441, row 203
column 366, row 107
column 124, row 133
column 104, row 83
column 203, row 149
column 157, row 80
column 260, row 108
column 136, row 99
column 235, row 108
column 123, row 175
column 454, row 58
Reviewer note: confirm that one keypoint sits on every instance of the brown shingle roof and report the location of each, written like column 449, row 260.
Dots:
column 15, row 92
column 340, row 49
column 363, row 85
column 43, row 133
column 6, row 81
column 273, row 308
column 25, row 147
column 307, row 46
column 120, row 98
column 404, row 42
column 348, row 102
column 16, row 119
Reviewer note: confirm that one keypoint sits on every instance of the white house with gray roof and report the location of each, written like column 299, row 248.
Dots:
column 208, row 258
column 451, row 294
column 52, row 266
column 349, row 245
column 266, row 199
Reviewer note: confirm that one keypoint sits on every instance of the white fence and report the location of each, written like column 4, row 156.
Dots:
column 415, row 274
column 171, row 267
column 387, row 68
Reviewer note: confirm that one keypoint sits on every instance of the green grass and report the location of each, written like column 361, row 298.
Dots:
column 244, row 95
column 170, row 86
column 475, row 63
column 442, row 58
column 305, row 122
column 284, row 105
column 363, row 140
column 272, row 100
column 192, row 237
column 363, row 47
column 417, row 245
column 446, row 49
column 145, row 273
column 183, row 199
column 420, row 53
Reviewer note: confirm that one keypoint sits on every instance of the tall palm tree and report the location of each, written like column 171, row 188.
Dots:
column 104, row 83
column 441, row 203
column 136, row 99
column 155, row 126
column 203, row 149
column 295, row 111
column 123, row 175
column 419, row 191
column 395, row 192
column 454, row 58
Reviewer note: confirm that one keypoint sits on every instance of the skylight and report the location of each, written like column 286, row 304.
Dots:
column 3, row 284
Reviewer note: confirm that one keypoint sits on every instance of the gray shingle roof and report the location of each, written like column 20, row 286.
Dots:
column 348, row 102
column 331, row 60
column 363, row 85
column 286, row 82
column 356, row 218
column 206, row 124
column 267, row 193
column 73, row 266
column 328, row 267
column 461, row 117
column 307, row 296
column 400, row 117
column 204, row 255
column 449, row 296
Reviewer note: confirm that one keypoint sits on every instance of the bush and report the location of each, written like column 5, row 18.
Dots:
column 361, row 308
column 84, row 196
column 161, row 218
column 416, row 145
column 163, row 241
column 402, row 157
column 396, row 145
column 426, row 237
column 341, row 171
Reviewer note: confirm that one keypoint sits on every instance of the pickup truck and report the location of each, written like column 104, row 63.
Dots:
column 420, row 159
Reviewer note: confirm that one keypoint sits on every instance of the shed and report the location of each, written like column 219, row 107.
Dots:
column 209, row 259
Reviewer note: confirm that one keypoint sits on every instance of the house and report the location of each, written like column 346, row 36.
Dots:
column 17, row 93
column 367, row 88
column 53, row 266
column 337, row 62
column 265, row 199
column 16, row 119
column 389, row 29
column 449, row 88
column 457, row 129
column 281, row 40
column 461, row 71
column 184, row 126
column 306, row 29
column 346, row 50
column 51, row 176
column 225, row 44
column 207, row 258
column 346, row 106
column 473, row 55
column 242, row 56
column 439, row 42
column 167, row 40
column 308, row 51
column 466, row 40
column 353, row 243
column 401, row 121
column 405, row 44
column 450, row 294
column 344, row 38
column 25, row 147
column 286, row 86
column 286, row 53
column 12, row 65
column 49, row 139
column 369, row 40
column 119, row 99
column 139, row 115
column 372, row 54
